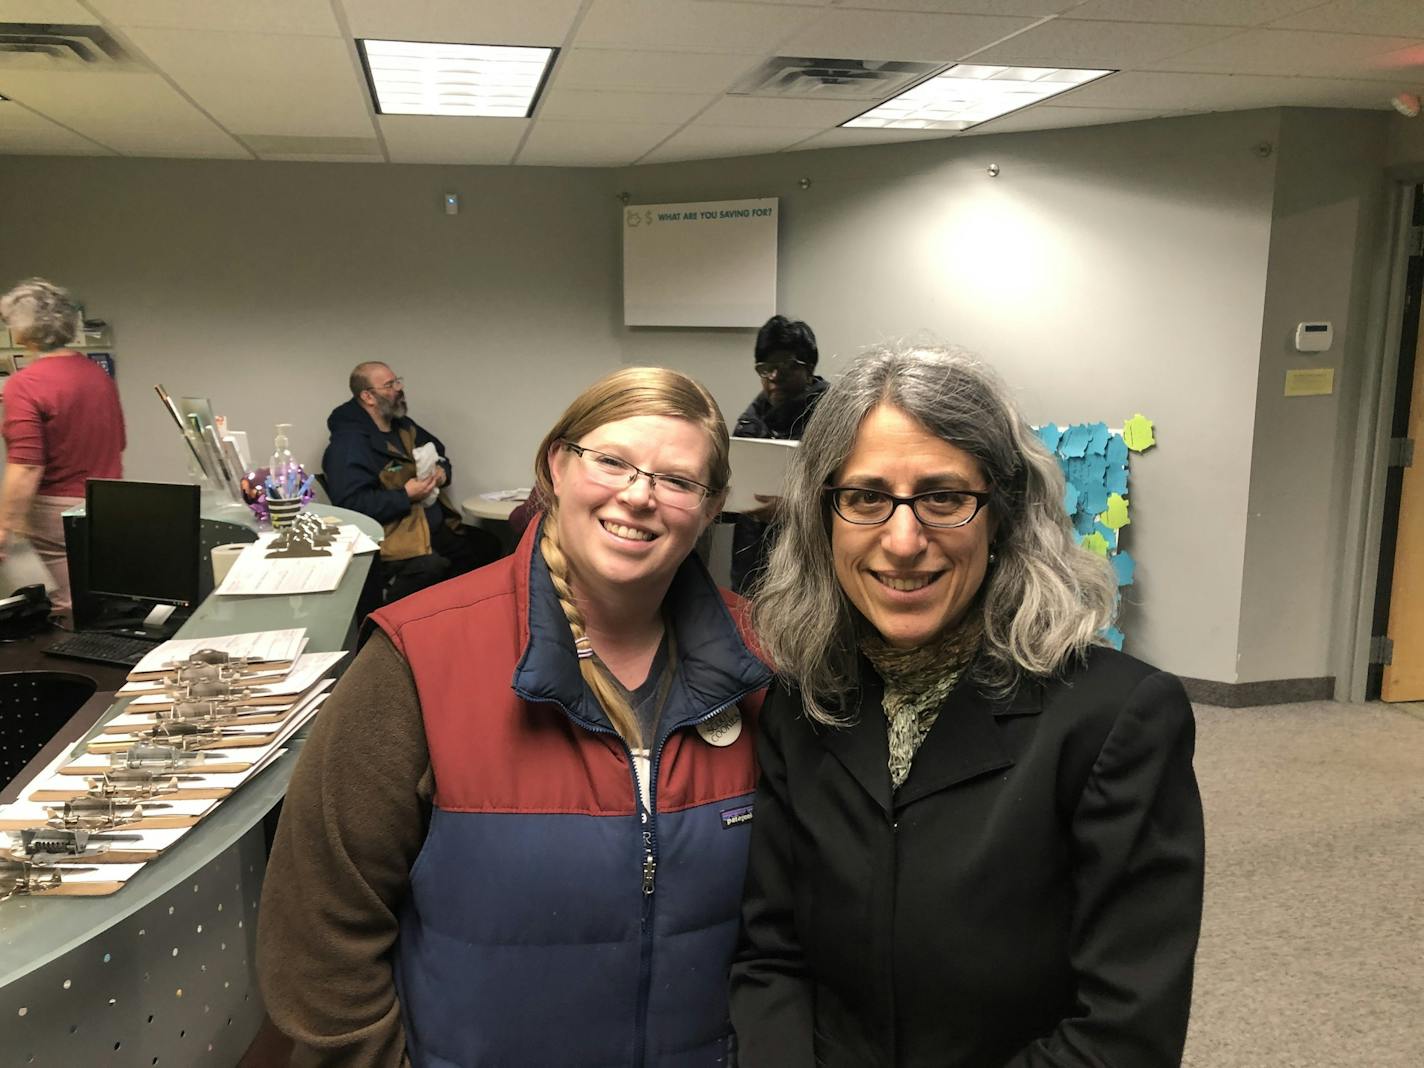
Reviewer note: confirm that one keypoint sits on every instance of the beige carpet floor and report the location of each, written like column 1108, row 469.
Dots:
column 1312, row 950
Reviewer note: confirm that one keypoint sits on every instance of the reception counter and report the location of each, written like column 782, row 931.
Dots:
column 163, row 972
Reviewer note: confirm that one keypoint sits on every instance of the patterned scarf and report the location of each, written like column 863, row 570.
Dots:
column 916, row 683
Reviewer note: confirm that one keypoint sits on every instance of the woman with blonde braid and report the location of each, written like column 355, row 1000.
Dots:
column 518, row 832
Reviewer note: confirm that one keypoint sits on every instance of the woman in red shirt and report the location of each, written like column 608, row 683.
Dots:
column 62, row 426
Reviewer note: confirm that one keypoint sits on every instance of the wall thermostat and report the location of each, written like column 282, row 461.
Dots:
column 1313, row 337
column 452, row 203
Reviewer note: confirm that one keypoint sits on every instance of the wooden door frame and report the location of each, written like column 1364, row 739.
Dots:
column 1358, row 581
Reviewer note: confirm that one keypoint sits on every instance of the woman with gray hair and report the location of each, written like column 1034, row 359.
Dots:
column 977, row 838
column 62, row 426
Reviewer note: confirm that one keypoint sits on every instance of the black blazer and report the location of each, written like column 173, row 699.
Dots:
column 1029, row 897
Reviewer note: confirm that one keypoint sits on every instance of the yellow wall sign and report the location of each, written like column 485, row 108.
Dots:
column 1310, row 382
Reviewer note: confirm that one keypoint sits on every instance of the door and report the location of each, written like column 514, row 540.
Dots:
column 1403, row 676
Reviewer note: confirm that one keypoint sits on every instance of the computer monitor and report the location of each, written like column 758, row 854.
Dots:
column 143, row 545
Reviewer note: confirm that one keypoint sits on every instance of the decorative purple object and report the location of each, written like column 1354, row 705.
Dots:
column 257, row 486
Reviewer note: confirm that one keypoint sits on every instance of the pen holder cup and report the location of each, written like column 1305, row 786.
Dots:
column 283, row 511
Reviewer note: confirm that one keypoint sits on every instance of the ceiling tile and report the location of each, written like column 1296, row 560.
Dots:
column 779, row 111
column 1224, row 92
column 70, row 11
column 1110, row 45
column 688, row 25
column 899, row 35
column 258, row 83
column 450, row 138
column 592, row 68
column 711, row 142
column 600, row 106
column 1047, row 117
column 1192, row 12
column 847, row 138
column 1401, row 18
column 308, row 17
column 23, row 133
column 1296, row 51
column 134, row 114
column 527, row 22
column 582, row 144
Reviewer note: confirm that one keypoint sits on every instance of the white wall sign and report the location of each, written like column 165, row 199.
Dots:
column 711, row 264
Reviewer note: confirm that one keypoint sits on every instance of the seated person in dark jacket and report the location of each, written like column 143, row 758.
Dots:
column 370, row 468
column 786, row 364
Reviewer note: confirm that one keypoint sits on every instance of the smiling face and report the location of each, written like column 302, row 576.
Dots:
column 617, row 537
column 911, row 582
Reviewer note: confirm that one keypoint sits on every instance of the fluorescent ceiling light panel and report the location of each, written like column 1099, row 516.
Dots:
column 969, row 94
column 419, row 78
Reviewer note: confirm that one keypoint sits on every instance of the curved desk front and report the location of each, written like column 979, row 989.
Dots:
column 163, row 972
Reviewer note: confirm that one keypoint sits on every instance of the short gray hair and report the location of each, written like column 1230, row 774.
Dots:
column 1043, row 602
column 41, row 314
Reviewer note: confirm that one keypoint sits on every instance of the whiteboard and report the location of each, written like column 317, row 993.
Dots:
column 707, row 264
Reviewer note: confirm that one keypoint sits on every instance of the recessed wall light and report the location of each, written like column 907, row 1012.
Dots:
column 421, row 78
column 968, row 94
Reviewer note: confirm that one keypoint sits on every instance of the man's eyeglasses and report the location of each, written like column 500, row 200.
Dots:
column 767, row 368
column 673, row 490
column 394, row 383
column 934, row 508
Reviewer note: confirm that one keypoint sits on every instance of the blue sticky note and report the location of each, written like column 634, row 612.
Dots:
column 1108, row 533
column 1113, row 636
column 1116, row 450
column 1095, row 498
column 1049, row 435
column 1095, row 470
column 1084, row 523
column 1070, row 498
column 1116, row 479
column 1075, row 441
column 1098, row 440
column 1124, row 566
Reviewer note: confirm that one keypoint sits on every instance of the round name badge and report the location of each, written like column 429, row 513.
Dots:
column 722, row 729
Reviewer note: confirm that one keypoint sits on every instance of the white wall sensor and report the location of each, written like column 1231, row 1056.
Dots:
column 1313, row 337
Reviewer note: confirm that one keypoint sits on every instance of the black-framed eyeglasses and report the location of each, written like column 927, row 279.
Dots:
column 767, row 368
column 934, row 508
column 676, row 491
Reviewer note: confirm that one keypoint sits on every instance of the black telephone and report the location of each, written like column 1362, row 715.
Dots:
column 25, row 612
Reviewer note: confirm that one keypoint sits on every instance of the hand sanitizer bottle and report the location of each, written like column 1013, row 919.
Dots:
column 283, row 469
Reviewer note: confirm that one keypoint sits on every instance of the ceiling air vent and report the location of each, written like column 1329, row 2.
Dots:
column 47, row 44
column 833, row 79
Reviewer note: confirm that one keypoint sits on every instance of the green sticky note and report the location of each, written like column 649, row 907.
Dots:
column 1137, row 433
column 1116, row 516
column 1095, row 543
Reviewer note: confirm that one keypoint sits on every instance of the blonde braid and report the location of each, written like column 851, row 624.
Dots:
column 609, row 695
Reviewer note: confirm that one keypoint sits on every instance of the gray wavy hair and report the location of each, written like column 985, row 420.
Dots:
column 1044, row 601
column 40, row 314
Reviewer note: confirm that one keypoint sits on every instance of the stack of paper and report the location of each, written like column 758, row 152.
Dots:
column 270, row 698
column 254, row 573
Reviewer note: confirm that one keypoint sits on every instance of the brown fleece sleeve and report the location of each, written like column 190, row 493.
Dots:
column 354, row 819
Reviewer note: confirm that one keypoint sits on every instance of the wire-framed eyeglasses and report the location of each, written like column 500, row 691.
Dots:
column 676, row 491
column 394, row 383
column 934, row 508
column 767, row 368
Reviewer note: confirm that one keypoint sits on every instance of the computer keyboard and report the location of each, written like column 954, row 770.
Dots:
column 101, row 648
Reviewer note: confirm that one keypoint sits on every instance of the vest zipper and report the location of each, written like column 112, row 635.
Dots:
column 648, row 818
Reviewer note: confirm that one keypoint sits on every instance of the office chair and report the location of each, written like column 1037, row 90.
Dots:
column 34, row 705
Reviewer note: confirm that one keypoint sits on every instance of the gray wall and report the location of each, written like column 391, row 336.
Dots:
column 1106, row 271
column 261, row 285
column 1329, row 203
